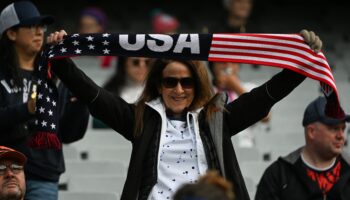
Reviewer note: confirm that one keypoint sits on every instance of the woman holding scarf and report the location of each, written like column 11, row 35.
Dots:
column 178, row 128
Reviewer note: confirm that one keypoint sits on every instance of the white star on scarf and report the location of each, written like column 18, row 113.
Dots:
column 41, row 110
column 91, row 46
column 63, row 50
column 75, row 43
column 89, row 38
column 53, row 126
column 106, row 51
column 77, row 51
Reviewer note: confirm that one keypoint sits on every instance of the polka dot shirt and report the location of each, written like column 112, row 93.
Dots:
column 178, row 162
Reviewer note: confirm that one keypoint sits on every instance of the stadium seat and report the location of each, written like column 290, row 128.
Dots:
column 96, row 184
column 254, row 170
column 87, row 196
column 70, row 153
column 95, row 168
column 248, row 154
column 251, row 186
column 121, row 154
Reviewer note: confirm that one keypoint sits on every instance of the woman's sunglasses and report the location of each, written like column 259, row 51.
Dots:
column 171, row 82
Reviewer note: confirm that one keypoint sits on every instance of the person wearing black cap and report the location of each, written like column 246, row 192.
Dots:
column 12, row 181
column 22, row 30
column 319, row 170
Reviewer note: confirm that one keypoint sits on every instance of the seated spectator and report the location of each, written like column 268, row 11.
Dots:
column 95, row 20
column 92, row 20
column 226, row 79
column 164, row 23
column 12, row 181
column 238, row 17
column 127, row 82
column 209, row 187
column 318, row 170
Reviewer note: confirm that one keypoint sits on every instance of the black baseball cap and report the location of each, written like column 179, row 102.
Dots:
column 315, row 112
column 22, row 13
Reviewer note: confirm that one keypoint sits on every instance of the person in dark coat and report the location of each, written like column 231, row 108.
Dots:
column 319, row 170
column 22, row 30
column 178, row 128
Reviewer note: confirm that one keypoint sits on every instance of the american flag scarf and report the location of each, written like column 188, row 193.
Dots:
column 278, row 50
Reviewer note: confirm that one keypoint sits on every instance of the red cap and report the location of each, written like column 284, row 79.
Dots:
column 8, row 153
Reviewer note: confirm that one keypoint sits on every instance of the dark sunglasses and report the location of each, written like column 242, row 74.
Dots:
column 171, row 82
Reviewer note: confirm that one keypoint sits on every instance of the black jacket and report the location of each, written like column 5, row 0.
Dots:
column 142, row 173
column 286, row 180
column 17, row 125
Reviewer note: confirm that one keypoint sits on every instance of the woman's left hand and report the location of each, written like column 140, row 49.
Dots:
column 56, row 37
column 312, row 40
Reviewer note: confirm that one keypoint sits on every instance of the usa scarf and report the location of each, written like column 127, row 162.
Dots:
column 277, row 50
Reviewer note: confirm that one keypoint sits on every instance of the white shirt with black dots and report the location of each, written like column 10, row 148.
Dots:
column 181, row 159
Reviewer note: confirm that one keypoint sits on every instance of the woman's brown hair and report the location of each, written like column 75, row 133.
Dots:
column 203, row 89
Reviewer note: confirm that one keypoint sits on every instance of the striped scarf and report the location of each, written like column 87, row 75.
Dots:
column 277, row 50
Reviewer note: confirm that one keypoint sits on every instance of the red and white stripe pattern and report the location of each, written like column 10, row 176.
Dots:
column 278, row 50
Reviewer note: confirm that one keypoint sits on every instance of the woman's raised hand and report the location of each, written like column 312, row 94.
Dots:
column 56, row 37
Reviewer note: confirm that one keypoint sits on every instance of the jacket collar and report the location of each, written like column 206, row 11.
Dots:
column 157, row 105
column 293, row 157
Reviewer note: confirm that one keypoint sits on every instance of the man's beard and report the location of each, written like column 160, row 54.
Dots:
column 13, row 195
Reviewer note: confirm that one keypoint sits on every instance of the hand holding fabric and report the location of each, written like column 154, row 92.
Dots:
column 56, row 37
column 312, row 40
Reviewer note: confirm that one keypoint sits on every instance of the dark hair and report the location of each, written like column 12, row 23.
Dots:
column 118, row 80
column 9, row 63
column 209, row 187
column 203, row 90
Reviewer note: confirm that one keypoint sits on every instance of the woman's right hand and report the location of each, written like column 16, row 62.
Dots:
column 56, row 37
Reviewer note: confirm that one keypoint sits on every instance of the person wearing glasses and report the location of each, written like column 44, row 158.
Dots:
column 12, row 179
column 178, row 128
column 22, row 31
column 127, row 81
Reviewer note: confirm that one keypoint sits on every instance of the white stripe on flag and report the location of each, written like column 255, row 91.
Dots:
column 276, row 47
column 250, row 38
column 262, row 53
column 291, row 64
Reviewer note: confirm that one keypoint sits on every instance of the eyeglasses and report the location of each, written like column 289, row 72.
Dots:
column 15, row 168
column 171, row 82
